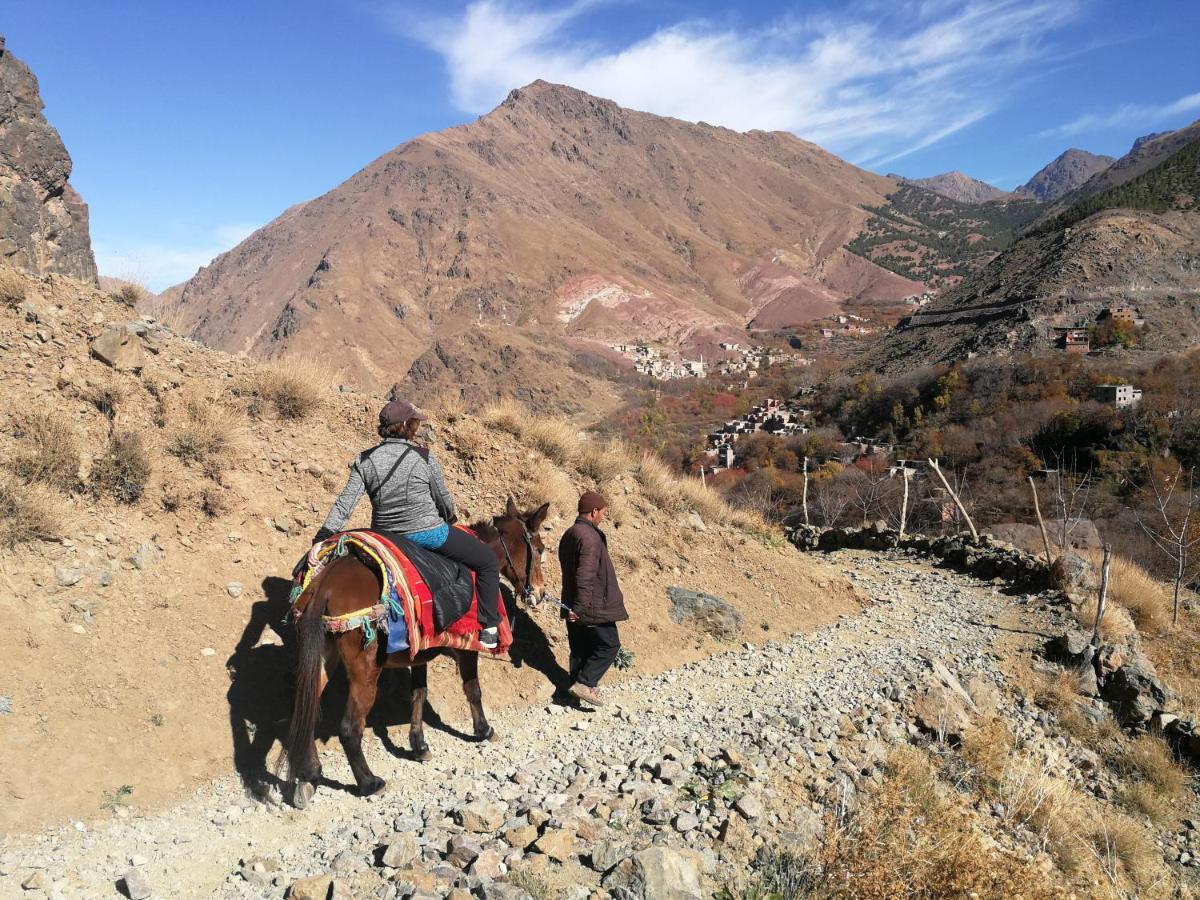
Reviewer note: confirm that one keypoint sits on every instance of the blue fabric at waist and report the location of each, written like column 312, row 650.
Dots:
column 430, row 538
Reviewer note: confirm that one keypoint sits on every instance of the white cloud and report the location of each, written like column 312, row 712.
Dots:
column 873, row 83
column 158, row 266
column 1129, row 115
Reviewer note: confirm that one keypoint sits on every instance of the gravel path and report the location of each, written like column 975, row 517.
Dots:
column 679, row 761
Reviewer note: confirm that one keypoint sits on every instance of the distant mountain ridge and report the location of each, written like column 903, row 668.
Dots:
column 469, row 256
column 961, row 187
column 1064, row 174
column 1132, row 240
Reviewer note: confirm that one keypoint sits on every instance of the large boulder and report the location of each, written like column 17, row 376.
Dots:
column 1134, row 692
column 120, row 347
column 43, row 221
column 943, row 707
column 1074, row 576
column 709, row 613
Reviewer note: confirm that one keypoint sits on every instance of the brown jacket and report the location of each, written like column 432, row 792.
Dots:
column 590, row 586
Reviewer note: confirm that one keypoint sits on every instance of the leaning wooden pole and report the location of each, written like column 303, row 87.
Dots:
column 1037, row 509
column 904, row 503
column 805, row 496
column 953, row 496
column 1103, row 594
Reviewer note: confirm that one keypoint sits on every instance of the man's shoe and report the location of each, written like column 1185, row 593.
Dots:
column 489, row 638
column 586, row 694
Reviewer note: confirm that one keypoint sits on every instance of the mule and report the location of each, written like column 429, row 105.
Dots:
column 347, row 584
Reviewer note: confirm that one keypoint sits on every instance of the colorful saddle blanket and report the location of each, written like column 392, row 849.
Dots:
column 407, row 611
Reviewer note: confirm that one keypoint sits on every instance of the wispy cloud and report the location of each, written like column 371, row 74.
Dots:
column 158, row 266
column 1129, row 115
column 873, row 83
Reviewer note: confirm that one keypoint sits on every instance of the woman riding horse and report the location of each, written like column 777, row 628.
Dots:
column 409, row 497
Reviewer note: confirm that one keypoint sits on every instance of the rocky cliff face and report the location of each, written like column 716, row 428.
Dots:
column 1070, row 170
column 43, row 220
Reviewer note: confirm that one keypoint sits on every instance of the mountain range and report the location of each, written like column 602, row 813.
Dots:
column 557, row 215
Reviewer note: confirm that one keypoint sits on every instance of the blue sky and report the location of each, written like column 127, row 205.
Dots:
column 192, row 123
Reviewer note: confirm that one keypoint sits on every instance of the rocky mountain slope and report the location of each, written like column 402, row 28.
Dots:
column 1137, row 244
column 1147, row 153
column 43, row 220
column 1063, row 174
column 558, row 213
column 962, row 187
column 159, row 492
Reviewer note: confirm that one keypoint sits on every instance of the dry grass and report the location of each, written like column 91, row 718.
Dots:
column 47, row 451
column 26, row 516
column 295, row 386
column 1158, row 782
column 12, row 287
column 988, row 748
column 128, row 295
column 209, row 435
column 911, row 839
column 1176, row 656
column 1132, row 587
column 1117, row 624
column 507, row 415
column 556, row 439
column 602, row 461
column 123, row 470
column 677, row 494
column 553, row 487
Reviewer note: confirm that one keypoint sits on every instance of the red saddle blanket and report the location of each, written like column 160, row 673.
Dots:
column 403, row 582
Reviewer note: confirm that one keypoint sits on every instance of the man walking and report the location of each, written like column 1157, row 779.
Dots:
column 593, row 600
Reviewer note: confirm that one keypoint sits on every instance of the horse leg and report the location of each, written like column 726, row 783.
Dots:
column 416, row 718
column 310, row 773
column 363, row 673
column 468, row 670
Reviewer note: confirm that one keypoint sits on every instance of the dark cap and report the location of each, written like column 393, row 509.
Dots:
column 590, row 502
column 397, row 412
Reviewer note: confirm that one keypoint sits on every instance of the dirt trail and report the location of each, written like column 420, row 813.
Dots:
column 812, row 709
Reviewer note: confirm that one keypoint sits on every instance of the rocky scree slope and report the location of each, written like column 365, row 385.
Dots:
column 1063, row 174
column 43, row 220
column 669, row 791
column 556, row 213
column 145, row 644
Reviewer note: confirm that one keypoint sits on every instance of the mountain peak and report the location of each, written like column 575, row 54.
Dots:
column 1063, row 174
column 961, row 187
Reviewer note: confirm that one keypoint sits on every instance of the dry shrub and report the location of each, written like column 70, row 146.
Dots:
column 47, row 452
column 212, row 502
column 910, row 839
column 988, row 748
column 26, row 516
column 1132, row 587
column 602, row 461
column 1116, row 626
column 659, row 484
column 173, row 497
column 105, row 396
column 128, row 295
column 294, row 386
column 123, row 470
column 450, row 406
column 12, row 287
column 505, row 415
column 553, row 487
column 702, row 499
column 468, row 439
column 209, row 435
column 1059, row 694
column 556, row 439
column 1159, row 782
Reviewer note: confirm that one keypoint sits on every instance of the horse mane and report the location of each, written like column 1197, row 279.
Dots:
column 486, row 530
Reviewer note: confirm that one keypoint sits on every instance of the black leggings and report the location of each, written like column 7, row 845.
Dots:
column 476, row 555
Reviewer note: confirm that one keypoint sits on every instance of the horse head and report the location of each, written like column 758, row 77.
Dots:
column 522, row 549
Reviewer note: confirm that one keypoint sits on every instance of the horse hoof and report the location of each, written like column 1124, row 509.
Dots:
column 423, row 755
column 491, row 735
column 373, row 786
column 302, row 794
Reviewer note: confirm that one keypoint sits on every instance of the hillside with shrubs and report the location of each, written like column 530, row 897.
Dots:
column 152, row 507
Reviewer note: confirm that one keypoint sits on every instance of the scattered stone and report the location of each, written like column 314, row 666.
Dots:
column 481, row 816
column 146, row 556
column 208, row 651
column 119, row 348
column 749, row 806
column 401, row 852
column 36, row 881
column 135, row 885
column 67, row 576
column 556, row 843
column 318, row 887
column 1074, row 576
column 234, row 589
column 667, row 874
column 712, row 614
column 1134, row 692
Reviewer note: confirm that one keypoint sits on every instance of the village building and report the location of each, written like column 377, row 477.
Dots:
column 1119, row 395
column 1076, row 340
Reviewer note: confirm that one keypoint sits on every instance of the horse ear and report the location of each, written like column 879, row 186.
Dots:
column 511, row 510
column 536, row 520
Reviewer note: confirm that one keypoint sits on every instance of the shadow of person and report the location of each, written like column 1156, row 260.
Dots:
column 531, row 647
column 261, row 672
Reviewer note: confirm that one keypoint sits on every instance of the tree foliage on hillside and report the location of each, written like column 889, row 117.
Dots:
column 1172, row 184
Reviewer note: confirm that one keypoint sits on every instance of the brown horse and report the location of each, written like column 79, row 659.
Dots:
column 347, row 584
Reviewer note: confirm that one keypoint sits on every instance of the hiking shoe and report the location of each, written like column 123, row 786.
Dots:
column 586, row 694
column 489, row 638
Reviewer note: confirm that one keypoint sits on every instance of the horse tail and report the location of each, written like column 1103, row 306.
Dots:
column 298, row 746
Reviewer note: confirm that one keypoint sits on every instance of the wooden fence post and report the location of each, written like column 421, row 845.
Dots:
column 1103, row 594
column 1041, row 522
column 805, row 499
column 953, row 496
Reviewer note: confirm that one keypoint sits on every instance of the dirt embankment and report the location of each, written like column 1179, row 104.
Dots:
column 144, row 647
